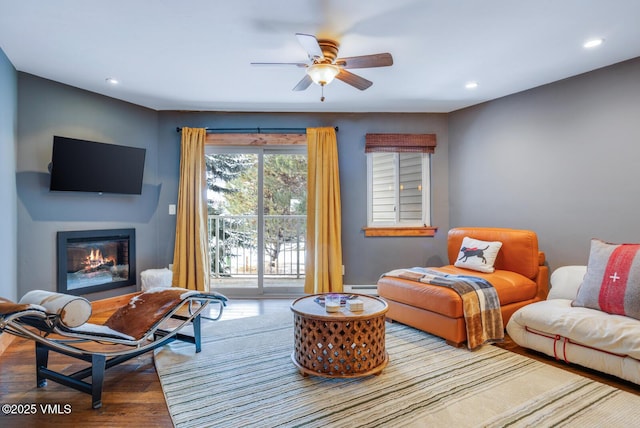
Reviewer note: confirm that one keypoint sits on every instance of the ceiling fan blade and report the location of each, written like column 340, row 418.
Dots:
column 366, row 61
column 354, row 80
column 267, row 64
column 303, row 84
column 310, row 45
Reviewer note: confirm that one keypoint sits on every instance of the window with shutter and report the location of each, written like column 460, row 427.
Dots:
column 398, row 195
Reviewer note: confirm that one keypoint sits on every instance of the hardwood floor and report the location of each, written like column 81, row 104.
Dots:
column 132, row 393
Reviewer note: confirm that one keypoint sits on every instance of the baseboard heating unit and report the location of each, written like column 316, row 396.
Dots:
column 362, row 289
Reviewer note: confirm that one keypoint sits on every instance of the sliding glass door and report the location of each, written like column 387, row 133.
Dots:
column 257, row 219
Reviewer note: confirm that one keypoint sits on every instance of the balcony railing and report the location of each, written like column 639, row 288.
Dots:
column 233, row 242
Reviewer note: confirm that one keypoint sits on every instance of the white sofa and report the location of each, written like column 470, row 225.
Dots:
column 588, row 337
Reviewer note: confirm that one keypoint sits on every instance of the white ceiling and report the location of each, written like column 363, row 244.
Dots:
column 196, row 54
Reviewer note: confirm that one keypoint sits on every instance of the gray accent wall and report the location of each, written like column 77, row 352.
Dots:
column 562, row 159
column 45, row 109
column 365, row 258
column 8, row 219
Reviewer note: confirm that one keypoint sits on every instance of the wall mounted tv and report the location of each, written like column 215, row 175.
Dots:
column 87, row 166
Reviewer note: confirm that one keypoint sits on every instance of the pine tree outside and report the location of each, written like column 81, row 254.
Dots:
column 255, row 233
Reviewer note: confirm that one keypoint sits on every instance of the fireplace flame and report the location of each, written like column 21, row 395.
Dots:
column 95, row 259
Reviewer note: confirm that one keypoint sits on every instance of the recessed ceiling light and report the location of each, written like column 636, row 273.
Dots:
column 112, row 81
column 593, row 43
column 471, row 85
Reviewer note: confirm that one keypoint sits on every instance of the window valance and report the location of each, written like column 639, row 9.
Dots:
column 400, row 143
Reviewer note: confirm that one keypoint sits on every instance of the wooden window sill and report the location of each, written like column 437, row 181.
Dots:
column 400, row 231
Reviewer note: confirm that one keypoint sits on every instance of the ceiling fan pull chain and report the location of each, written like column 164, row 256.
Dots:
column 322, row 93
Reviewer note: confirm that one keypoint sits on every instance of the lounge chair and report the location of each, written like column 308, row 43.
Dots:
column 58, row 322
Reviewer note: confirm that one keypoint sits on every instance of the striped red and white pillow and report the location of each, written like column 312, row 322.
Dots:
column 612, row 281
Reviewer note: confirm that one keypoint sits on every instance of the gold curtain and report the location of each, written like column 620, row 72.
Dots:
column 191, row 251
column 323, row 265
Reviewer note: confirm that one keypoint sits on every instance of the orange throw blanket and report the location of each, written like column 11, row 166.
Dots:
column 480, row 303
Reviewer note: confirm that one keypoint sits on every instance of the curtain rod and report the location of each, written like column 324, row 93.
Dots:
column 255, row 130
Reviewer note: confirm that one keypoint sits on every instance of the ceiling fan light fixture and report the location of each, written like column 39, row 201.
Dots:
column 323, row 74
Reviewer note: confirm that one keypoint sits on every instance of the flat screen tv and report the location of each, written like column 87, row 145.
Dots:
column 88, row 166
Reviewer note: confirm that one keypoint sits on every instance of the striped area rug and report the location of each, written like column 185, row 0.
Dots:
column 244, row 377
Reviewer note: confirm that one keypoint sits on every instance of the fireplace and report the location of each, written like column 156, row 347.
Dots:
column 96, row 260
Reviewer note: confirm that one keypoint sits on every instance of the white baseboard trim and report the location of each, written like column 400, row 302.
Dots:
column 361, row 289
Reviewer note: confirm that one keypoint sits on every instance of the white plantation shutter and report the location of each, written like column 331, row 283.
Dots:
column 398, row 177
column 384, row 185
column 410, row 194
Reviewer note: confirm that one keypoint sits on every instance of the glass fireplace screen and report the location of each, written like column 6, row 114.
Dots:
column 95, row 260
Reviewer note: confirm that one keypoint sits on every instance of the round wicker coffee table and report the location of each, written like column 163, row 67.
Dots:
column 339, row 344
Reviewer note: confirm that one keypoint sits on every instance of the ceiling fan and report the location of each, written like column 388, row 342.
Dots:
column 324, row 65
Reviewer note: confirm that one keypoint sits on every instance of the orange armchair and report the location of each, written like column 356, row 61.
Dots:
column 520, row 278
